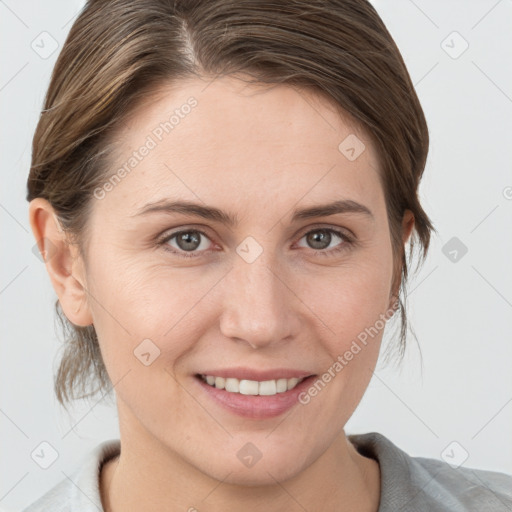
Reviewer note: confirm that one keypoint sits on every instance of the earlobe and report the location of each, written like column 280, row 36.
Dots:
column 63, row 263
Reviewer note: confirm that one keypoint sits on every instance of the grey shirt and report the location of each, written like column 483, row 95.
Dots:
column 408, row 484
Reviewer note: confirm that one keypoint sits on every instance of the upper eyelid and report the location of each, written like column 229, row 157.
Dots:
column 318, row 227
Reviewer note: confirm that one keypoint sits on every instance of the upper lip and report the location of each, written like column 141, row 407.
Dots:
column 242, row 373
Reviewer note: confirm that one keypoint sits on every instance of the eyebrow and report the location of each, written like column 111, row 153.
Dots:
column 215, row 214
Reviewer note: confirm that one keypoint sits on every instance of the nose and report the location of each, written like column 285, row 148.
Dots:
column 260, row 305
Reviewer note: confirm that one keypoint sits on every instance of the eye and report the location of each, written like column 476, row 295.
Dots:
column 188, row 242
column 321, row 238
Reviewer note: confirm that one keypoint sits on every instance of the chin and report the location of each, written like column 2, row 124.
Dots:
column 261, row 474
column 251, row 466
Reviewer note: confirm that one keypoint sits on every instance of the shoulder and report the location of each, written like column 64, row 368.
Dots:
column 81, row 491
column 420, row 483
column 464, row 487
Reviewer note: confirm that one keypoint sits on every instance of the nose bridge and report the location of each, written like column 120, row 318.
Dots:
column 257, row 304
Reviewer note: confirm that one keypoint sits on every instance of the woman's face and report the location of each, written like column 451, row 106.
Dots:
column 274, row 291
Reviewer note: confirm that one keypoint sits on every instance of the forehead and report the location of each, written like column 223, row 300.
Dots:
column 227, row 140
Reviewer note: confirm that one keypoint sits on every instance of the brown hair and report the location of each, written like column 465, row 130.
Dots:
column 119, row 52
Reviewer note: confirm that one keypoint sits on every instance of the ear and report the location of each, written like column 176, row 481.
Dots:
column 407, row 227
column 63, row 262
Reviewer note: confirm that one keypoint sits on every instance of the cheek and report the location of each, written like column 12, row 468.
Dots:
column 138, row 308
column 351, row 299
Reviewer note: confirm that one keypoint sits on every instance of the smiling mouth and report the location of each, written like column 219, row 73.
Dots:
column 251, row 387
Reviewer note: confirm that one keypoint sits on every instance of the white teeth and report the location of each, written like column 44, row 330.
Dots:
column 268, row 387
column 292, row 382
column 252, row 387
column 232, row 385
column 281, row 385
column 248, row 387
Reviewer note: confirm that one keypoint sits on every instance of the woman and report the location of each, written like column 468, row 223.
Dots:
column 223, row 192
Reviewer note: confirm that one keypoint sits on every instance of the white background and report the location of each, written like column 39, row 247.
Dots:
column 461, row 311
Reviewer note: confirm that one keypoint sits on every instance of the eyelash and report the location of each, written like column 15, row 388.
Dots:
column 348, row 242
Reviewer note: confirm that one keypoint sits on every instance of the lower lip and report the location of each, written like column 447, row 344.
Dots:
column 256, row 406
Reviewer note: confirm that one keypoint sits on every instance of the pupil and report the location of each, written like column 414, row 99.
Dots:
column 321, row 237
column 188, row 242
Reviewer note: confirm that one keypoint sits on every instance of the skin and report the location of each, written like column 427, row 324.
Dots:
column 258, row 153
